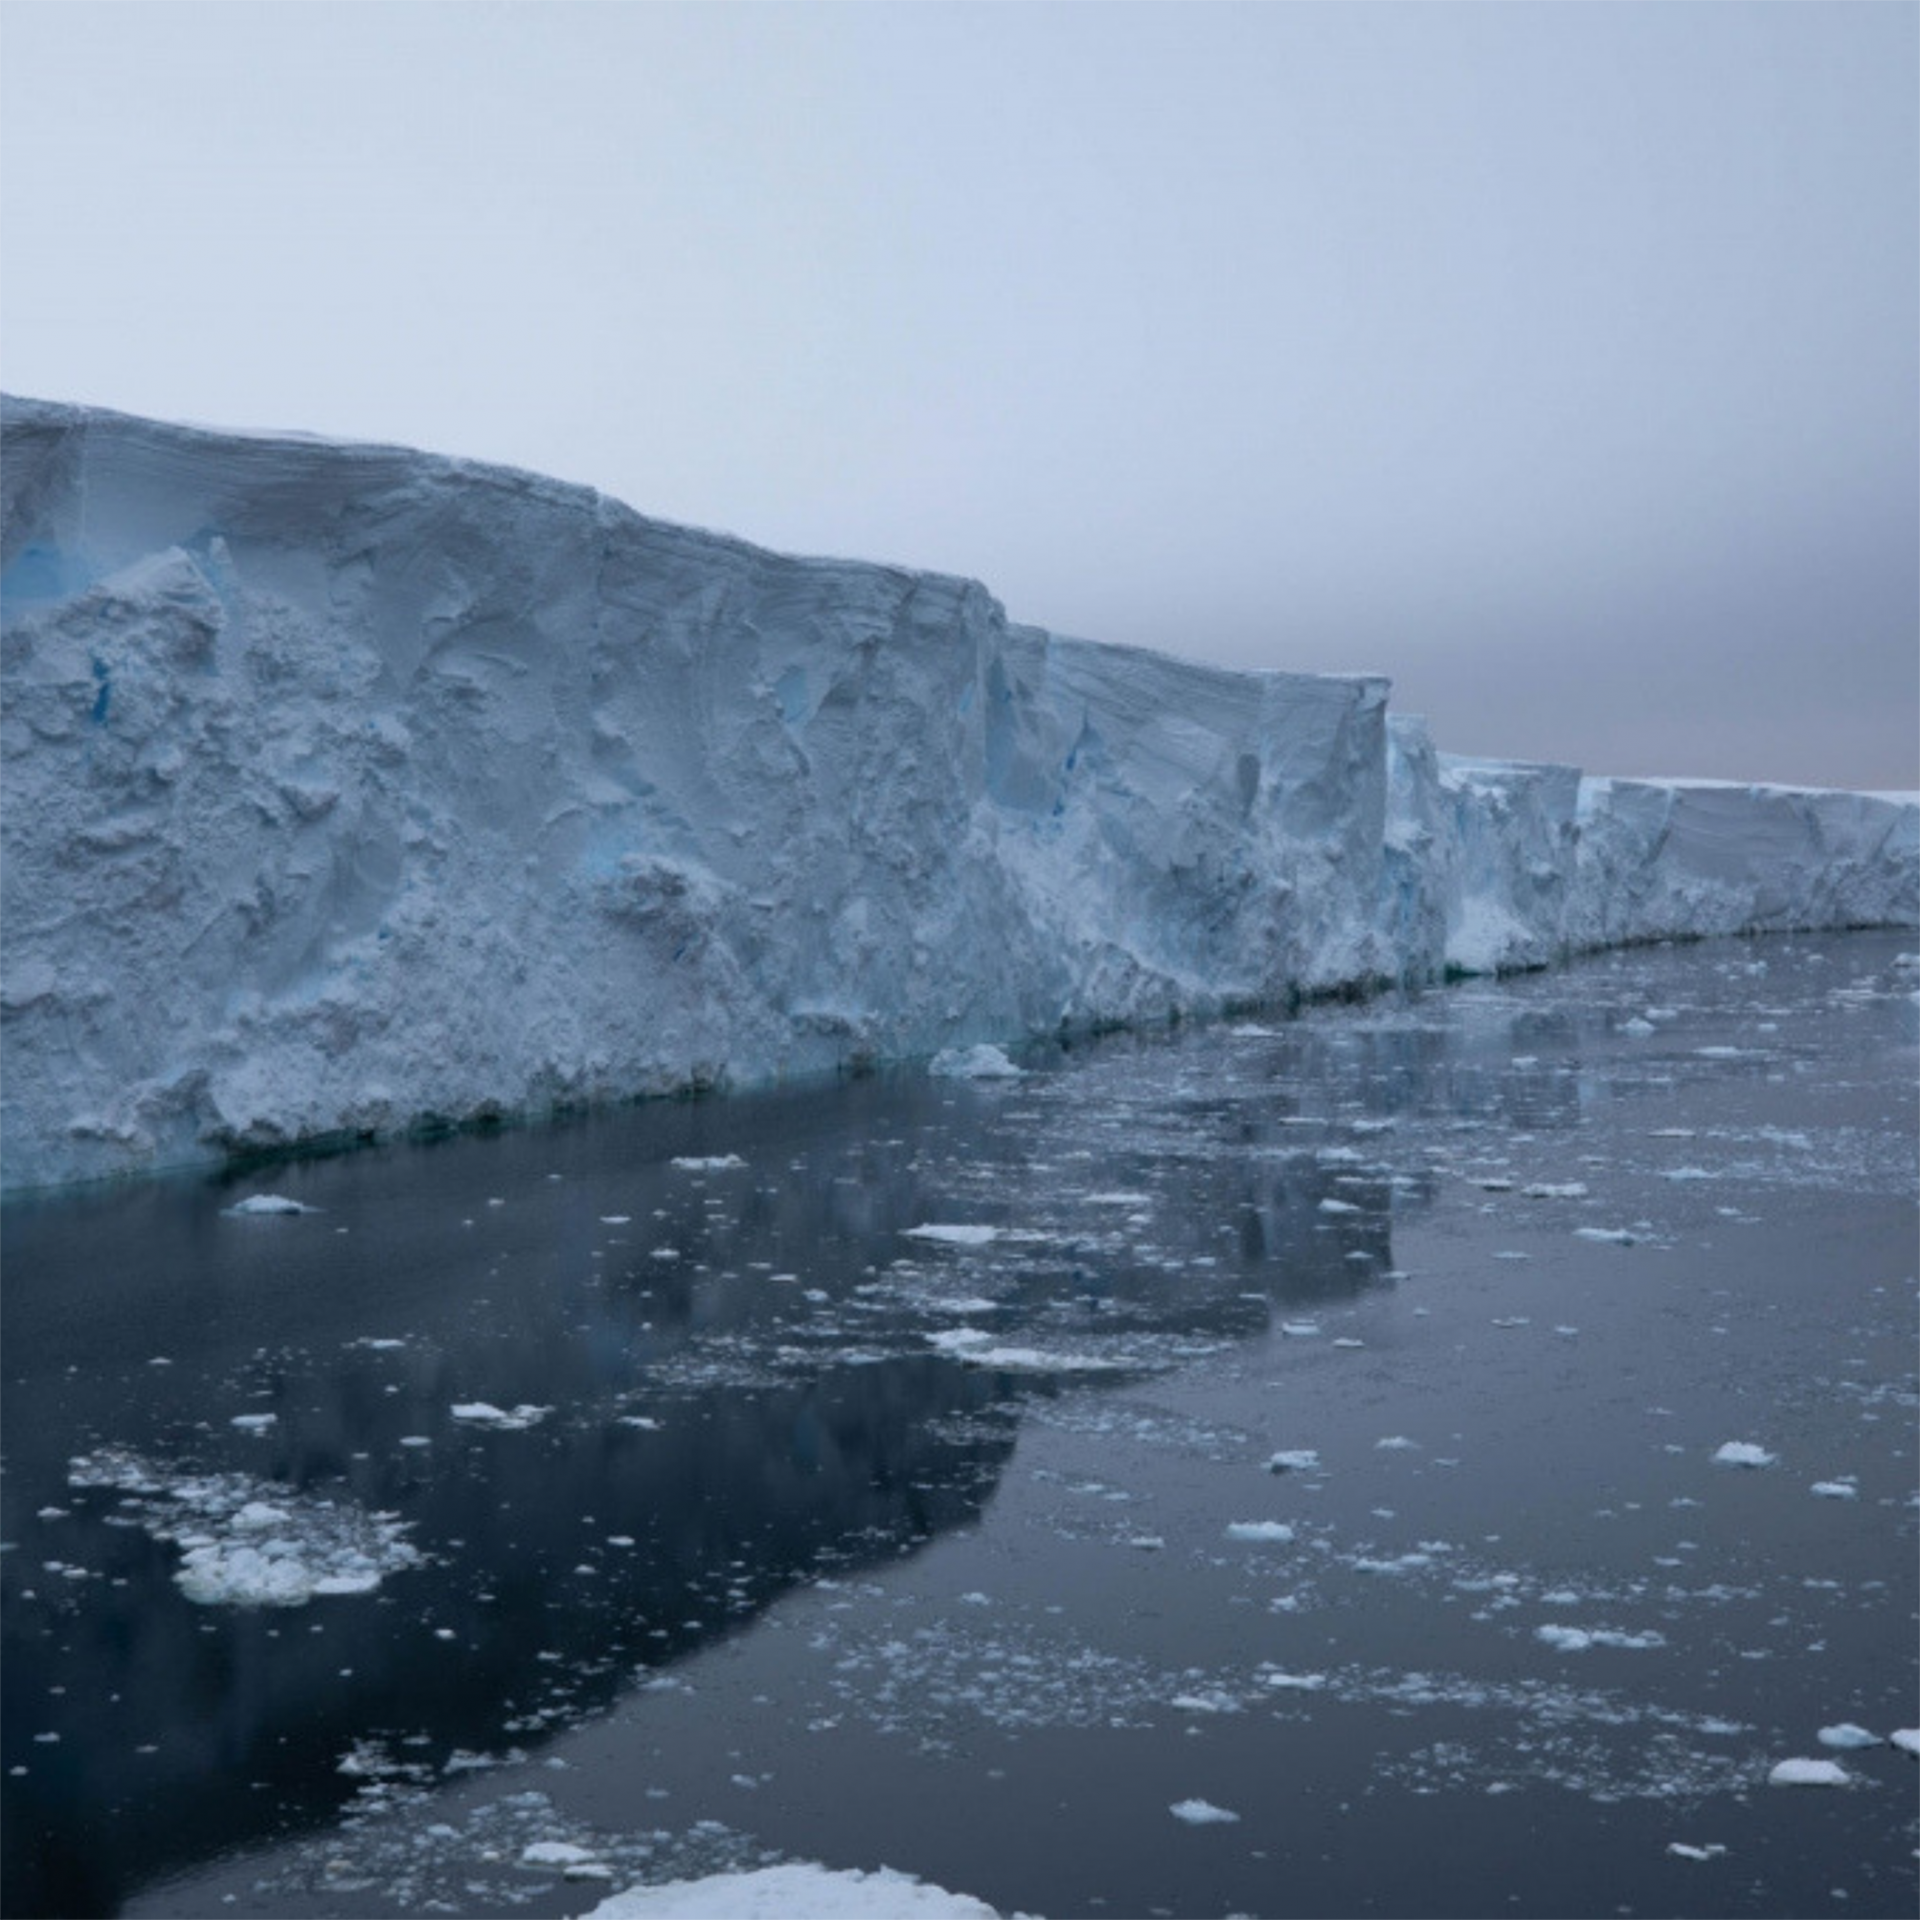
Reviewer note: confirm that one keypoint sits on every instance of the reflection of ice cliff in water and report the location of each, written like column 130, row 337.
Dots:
column 745, row 1382
column 528, row 1616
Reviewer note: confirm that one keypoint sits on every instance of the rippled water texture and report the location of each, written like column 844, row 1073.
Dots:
column 1469, row 1439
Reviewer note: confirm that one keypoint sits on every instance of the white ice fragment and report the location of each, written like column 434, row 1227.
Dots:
column 254, row 1422
column 1396, row 1443
column 1551, row 1190
column 616, row 1219
column 973, row 1063
column 481, row 1413
column 555, row 1853
column 1907, row 1739
column 1292, row 1682
column 1610, row 1236
column 719, row 1163
column 1347, row 1340
column 1579, row 1639
column 266, row 1203
column 800, row 1888
column 1338, row 1206
column 1846, row 1735
column 1200, row 1813
column 955, row 1236
column 1637, row 1027
column 1299, row 1329
column 1835, row 1490
column 1809, row 1773
column 1743, row 1453
column 1294, row 1460
column 1713, row 1850
column 1274, row 1531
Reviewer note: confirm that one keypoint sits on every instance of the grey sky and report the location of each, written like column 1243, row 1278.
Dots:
column 1562, row 361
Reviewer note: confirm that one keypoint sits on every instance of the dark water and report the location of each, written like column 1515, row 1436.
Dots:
column 834, row 1542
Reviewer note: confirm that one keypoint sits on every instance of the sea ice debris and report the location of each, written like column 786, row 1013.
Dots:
column 1809, row 1773
column 1743, row 1453
column 1200, row 1813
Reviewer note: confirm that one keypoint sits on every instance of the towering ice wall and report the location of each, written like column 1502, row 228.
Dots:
column 346, row 787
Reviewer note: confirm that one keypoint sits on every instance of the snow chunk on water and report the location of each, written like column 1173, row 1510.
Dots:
column 254, row 1422
column 248, row 1544
column 1809, row 1773
column 970, row 1344
column 1295, row 1460
column 1274, row 1530
column 801, row 1887
column 266, row 1203
column 1743, row 1453
column 1835, row 1490
column 1846, row 1735
column 1579, row 1639
column 1713, row 1849
column 955, row 1236
column 1610, row 1236
column 1396, row 1443
column 555, row 1853
column 973, row 1063
column 480, row 1413
column 1907, row 1739
column 720, row 1163
column 1548, row 1190
column 1200, row 1813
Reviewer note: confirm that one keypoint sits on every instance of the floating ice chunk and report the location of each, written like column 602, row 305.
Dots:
column 1713, row 1850
column 266, row 1203
column 1548, row 1190
column 1809, row 1773
column 616, row 1219
column 1907, row 1739
column 800, row 1887
column 1248, row 1031
column 969, row 1344
column 1639, row 1029
column 480, row 1413
column 249, row 1545
column 1119, row 1197
column 719, row 1163
column 1294, row 1460
column 1579, row 1639
column 1338, row 1206
column 1611, row 1236
column 1276, row 1531
column 973, row 1063
column 644, row 1422
column 1743, row 1453
column 1835, row 1490
column 1299, row 1329
column 1201, row 1813
column 1846, row 1735
column 254, row 1422
column 1291, row 1682
column 955, row 1236
column 555, row 1853
column 1396, row 1443
column 1347, row 1340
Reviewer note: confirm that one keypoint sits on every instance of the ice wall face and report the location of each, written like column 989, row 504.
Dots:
column 346, row 786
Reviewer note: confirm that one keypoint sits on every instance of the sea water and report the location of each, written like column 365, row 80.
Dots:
column 1448, row 1454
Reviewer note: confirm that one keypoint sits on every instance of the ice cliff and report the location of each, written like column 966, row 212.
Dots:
column 347, row 789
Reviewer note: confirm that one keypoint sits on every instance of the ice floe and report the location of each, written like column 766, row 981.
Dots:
column 1201, row 1813
column 249, row 1543
column 482, row 1413
column 258, row 1204
column 789, row 1892
column 1846, row 1735
column 973, row 1063
column 718, row 1163
column 1743, row 1453
column 1809, row 1773
column 1275, row 1532
column 954, row 1235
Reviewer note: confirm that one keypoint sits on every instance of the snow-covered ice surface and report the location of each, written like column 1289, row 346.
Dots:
column 827, row 1546
column 349, row 790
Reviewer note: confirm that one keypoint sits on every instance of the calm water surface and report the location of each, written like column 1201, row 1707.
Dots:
column 806, row 1535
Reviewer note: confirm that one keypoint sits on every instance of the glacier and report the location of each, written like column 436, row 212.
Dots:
column 347, row 790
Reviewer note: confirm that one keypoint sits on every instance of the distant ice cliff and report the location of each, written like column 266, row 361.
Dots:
column 347, row 788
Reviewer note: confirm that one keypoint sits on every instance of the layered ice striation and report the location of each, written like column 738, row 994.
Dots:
column 349, row 789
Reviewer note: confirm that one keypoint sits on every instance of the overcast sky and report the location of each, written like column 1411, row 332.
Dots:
column 1560, row 360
